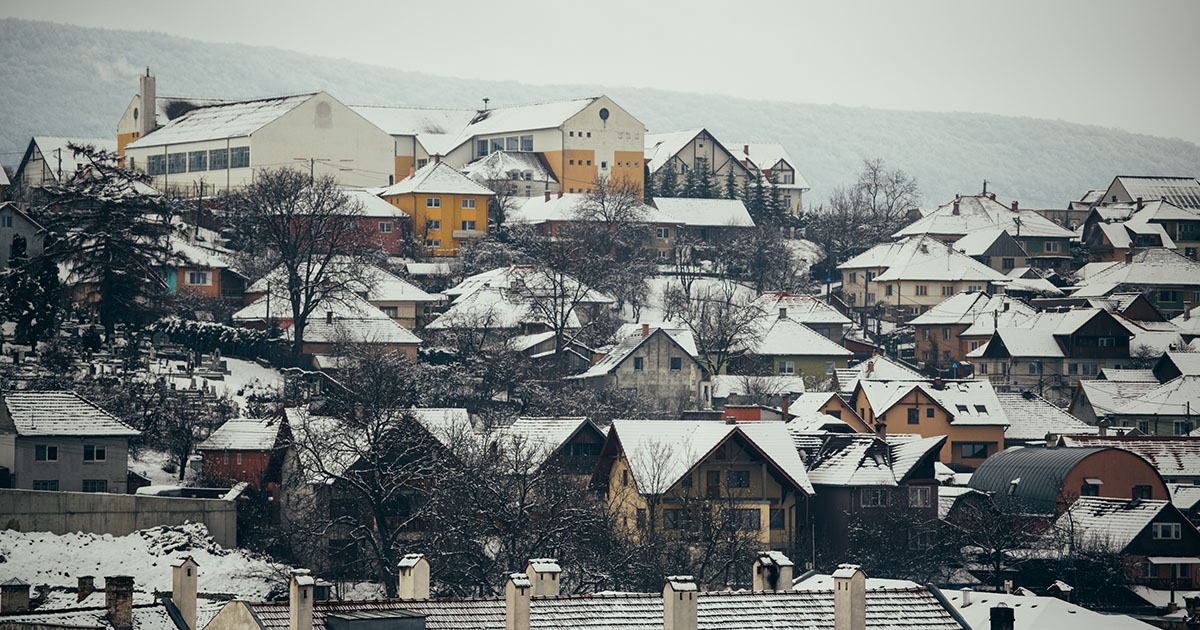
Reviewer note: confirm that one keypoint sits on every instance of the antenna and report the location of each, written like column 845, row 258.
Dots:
column 985, row 183
column 485, row 103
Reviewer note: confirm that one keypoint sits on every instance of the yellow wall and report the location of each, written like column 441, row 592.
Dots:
column 896, row 419
column 124, row 139
column 579, row 176
column 451, row 214
column 633, row 173
column 404, row 164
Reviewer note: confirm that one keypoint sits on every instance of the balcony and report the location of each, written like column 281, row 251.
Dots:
column 468, row 234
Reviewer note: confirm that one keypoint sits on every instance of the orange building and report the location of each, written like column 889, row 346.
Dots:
column 243, row 449
column 446, row 207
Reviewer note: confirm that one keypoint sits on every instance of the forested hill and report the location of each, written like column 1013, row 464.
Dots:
column 66, row 80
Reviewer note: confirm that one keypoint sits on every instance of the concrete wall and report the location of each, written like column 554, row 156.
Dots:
column 70, row 469
column 116, row 514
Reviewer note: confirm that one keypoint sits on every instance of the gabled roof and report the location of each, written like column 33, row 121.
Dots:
column 1106, row 397
column 923, row 258
column 524, row 117
column 436, row 129
column 726, row 385
column 1031, row 417
column 493, row 307
column 1033, row 477
column 243, row 434
column 877, row 368
column 60, row 413
column 540, row 438
column 373, row 205
column 1172, row 456
column 662, row 146
column 978, row 243
column 54, row 147
column 705, row 212
column 661, row 452
column 682, row 335
column 1127, row 375
column 627, row 346
column 436, row 177
column 969, row 307
column 527, row 277
column 500, row 164
column 379, row 285
column 967, row 402
column 1181, row 191
column 1033, row 612
column 1114, row 523
column 969, row 214
column 3, row 177
column 573, row 207
column 354, row 320
column 1184, row 496
column 1123, row 235
column 235, row 119
column 1177, row 397
column 806, row 309
column 787, row 337
column 767, row 156
column 854, row 459
column 1156, row 266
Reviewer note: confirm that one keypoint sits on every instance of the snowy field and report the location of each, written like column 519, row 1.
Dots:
column 245, row 379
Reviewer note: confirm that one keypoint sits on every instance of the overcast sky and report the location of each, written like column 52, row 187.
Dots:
column 1126, row 64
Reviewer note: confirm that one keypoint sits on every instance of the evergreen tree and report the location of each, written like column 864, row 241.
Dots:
column 690, row 185
column 668, row 182
column 31, row 297
column 731, row 190
column 705, row 188
column 774, row 202
column 648, row 187
column 110, row 230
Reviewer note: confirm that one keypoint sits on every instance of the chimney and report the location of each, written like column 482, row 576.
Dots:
column 782, row 312
column 560, row 193
column 746, row 149
column 86, row 586
column 118, row 599
column 966, row 596
column 849, row 598
column 1129, row 257
column 183, row 589
column 516, row 602
column 679, row 603
column 938, row 383
column 645, row 330
column 772, row 572
column 547, row 196
column 300, row 600
column 414, row 577
column 1015, row 206
column 1002, row 617
column 784, row 404
column 955, row 210
column 543, row 574
column 881, row 430
column 1139, row 203
column 14, row 596
column 148, row 120
column 329, row 317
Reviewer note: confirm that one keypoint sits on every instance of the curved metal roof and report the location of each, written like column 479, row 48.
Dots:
column 1038, row 472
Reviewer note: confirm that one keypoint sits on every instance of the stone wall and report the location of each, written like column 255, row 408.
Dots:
column 116, row 514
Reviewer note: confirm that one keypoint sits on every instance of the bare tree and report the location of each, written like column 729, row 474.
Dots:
column 865, row 213
column 723, row 320
column 308, row 229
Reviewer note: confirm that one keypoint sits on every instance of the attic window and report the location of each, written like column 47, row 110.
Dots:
column 962, row 408
column 980, row 409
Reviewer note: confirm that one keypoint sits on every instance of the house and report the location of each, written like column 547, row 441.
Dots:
column 1186, row 497
column 667, row 470
column 696, row 151
column 1169, row 279
column 698, row 222
column 658, row 365
column 1154, row 536
column 387, row 227
column 514, row 174
column 908, row 277
column 829, row 404
column 1034, row 421
column 1094, row 401
column 532, row 601
column 446, row 206
column 1048, row 480
column 519, row 286
column 1183, row 192
column 1174, row 364
column 550, row 213
column 49, row 159
column 17, row 226
column 1133, row 305
column 809, row 310
column 1051, row 352
column 58, row 440
column 777, row 391
column 995, row 248
column 579, row 140
column 940, row 332
column 573, row 443
column 1034, row 612
column 1112, row 233
column 1177, row 458
column 245, row 449
column 862, row 478
column 223, row 143
column 772, row 162
column 1045, row 243
column 785, row 347
column 202, row 269
column 967, row 411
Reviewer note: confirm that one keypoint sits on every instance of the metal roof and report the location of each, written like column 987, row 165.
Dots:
column 1038, row 474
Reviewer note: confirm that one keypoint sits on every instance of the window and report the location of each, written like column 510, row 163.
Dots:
column 829, row 367
column 922, row 289
column 422, row 162
column 925, row 334
column 589, row 162
column 468, row 225
column 961, row 408
column 874, row 497
column 1168, row 296
column 497, row 145
column 156, row 164
column 433, row 202
column 1182, row 428
column 1143, row 426
column 1035, row 368
column 676, row 364
column 1179, row 571
column 177, row 163
column 920, row 540
column 95, row 485
column 947, row 289
column 197, row 160
column 468, row 203
column 603, row 164
column 433, row 242
column 919, row 497
column 641, row 518
column 975, row 288
column 639, row 364
column 45, row 453
column 1166, row 531
column 390, row 311
column 1091, row 369
column 527, row 143
column 787, row 367
column 1008, row 263
column 1141, row 492
column 1052, row 246
column 974, row 345
column 6, row 221
column 1072, row 369
column 870, row 276
column 946, row 334
column 589, row 134
column 48, row 484
column 201, row 278
column 92, row 453
column 887, row 290
column 512, row 143
column 929, row 412
column 983, row 368
column 433, row 224
column 481, row 148
column 662, row 232
column 1106, row 342
column 239, row 157
column 572, row 162
column 853, row 277
column 981, row 409
column 571, row 134
column 385, row 226
column 675, row 519
column 1089, row 490
column 218, row 159
column 745, row 519
column 914, row 416
column 776, row 517
column 737, row 479
column 1148, row 571
column 972, row 450
column 624, row 477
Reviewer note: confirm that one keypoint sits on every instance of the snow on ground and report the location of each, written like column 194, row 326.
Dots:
column 245, row 379
column 150, row 463
column 42, row 558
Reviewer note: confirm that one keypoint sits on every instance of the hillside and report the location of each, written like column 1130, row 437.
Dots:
column 67, row 80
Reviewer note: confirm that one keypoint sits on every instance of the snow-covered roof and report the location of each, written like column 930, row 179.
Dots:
column 493, row 307
column 373, row 205
column 436, row 129
column 705, row 212
column 806, row 309
column 539, row 438
column 529, row 279
column 968, row 402
column 970, row 214
column 54, row 147
column 949, row 495
column 1031, row 417
column 1156, row 266
column 1128, row 375
column 1184, row 496
column 448, row 425
column 1172, row 456
column 60, row 413
column 768, row 155
column 923, row 258
column 437, row 177
column 1111, row 522
column 1106, row 397
column 970, row 307
column 1177, row 397
column 573, row 207
column 682, row 335
column 243, row 434
column 501, row 165
column 4, row 177
column 787, row 337
column 725, row 385
column 353, row 320
column 378, row 284
column 625, row 348
column 880, row 368
column 661, row 452
column 199, row 256
column 523, row 117
column 1033, row 612
column 236, row 119
column 1122, row 235
column 1181, row 191
column 661, row 146
column 1024, row 343
column 853, row 459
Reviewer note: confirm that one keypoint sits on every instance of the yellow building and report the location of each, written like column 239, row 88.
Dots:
column 660, row 475
column 966, row 411
column 445, row 205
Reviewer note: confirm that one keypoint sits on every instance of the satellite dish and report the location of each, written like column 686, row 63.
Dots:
column 603, row 113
